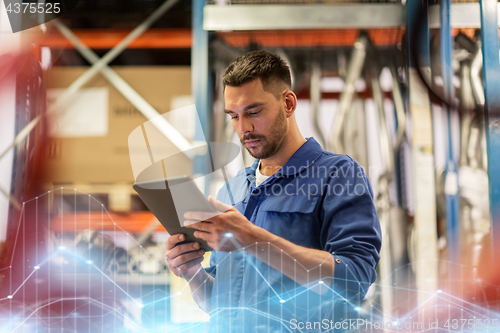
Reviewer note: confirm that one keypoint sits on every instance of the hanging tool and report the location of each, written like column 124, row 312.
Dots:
column 354, row 69
column 393, row 219
column 451, row 173
column 399, row 106
column 315, row 97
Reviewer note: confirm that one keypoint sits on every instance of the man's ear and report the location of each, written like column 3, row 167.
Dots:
column 290, row 101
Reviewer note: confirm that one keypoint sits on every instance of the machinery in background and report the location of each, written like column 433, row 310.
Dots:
column 472, row 161
column 147, row 257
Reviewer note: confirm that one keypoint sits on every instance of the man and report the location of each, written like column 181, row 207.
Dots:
column 302, row 232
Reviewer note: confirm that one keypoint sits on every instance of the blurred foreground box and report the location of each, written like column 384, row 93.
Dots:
column 89, row 135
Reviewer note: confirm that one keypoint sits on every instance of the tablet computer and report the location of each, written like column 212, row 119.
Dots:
column 168, row 199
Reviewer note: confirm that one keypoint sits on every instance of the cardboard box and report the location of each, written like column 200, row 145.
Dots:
column 87, row 153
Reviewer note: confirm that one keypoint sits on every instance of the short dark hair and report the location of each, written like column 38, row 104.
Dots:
column 271, row 69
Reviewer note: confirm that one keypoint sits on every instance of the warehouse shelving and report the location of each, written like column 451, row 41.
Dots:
column 242, row 24
column 159, row 38
column 290, row 24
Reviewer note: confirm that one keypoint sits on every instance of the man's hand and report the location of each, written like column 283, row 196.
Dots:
column 227, row 231
column 299, row 263
column 183, row 259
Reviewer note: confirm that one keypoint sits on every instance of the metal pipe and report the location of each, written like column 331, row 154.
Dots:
column 315, row 98
column 475, row 74
column 399, row 105
column 466, row 106
column 353, row 72
column 386, row 268
column 476, row 152
column 465, row 42
column 451, row 176
column 378, row 95
column 473, row 141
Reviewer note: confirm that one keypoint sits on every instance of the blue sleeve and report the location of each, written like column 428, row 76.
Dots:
column 351, row 230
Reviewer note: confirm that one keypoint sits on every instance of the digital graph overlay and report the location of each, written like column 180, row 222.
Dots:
column 81, row 278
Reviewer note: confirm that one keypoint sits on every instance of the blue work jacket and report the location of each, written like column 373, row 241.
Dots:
column 318, row 200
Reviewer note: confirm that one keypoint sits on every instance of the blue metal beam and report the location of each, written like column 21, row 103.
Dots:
column 420, row 22
column 451, row 175
column 201, row 86
column 491, row 78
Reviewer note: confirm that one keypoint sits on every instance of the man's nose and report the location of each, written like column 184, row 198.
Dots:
column 244, row 126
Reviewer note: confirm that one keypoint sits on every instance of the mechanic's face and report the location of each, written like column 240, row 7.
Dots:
column 258, row 118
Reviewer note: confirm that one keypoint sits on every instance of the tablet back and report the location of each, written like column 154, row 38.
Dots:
column 169, row 199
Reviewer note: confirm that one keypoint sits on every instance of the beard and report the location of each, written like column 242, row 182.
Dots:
column 270, row 144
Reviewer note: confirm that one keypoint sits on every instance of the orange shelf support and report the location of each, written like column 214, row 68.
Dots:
column 134, row 223
column 310, row 38
column 108, row 38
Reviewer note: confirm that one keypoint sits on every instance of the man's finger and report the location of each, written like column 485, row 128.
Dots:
column 185, row 259
column 173, row 240
column 202, row 235
column 188, row 265
column 181, row 249
column 203, row 226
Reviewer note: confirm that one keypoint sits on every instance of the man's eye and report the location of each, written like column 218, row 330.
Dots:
column 234, row 117
column 254, row 113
